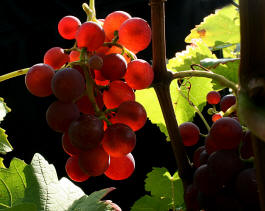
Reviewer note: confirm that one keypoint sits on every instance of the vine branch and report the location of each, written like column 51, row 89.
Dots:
column 198, row 73
column 14, row 74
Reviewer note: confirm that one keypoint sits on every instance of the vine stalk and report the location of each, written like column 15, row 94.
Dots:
column 162, row 80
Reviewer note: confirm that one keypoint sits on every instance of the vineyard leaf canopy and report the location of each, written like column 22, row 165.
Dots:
column 38, row 184
column 165, row 190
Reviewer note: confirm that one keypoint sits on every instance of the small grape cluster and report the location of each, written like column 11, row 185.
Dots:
column 224, row 177
column 94, row 84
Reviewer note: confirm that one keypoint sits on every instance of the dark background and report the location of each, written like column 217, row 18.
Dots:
column 27, row 30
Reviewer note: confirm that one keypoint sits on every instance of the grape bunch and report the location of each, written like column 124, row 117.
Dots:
column 224, row 175
column 94, row 84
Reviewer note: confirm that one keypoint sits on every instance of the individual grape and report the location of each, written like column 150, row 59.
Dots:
column 74, row 171
column 118, row 140
column 74, row 56
column 68, row 84
column 246, row 186
column 210, row 145
column 132, row 114
column 59, row 115
column 190, row 133
column 38, row 80
column 224, row 165
column 68, row 147
column 114, row 67
column 115, row 49
column 190, row 198
column 117, row 93
column 94, row 161
column 196, row 156
column 68, row 27
column 135, row 34
column 120, row 168
column 226, row 133
column 90, row 35
column 246, row 150
column 113, row 22
column 95, row 62
column 86, row 107
column 99, row 79
column 86, row 132
column 56, row 57
column 216, row 116
column 203, row 159
column 213, row 97
column 204, row 181
column 227, row 101
column 139, row 74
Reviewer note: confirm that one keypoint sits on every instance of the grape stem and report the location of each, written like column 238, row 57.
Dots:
column 14, row 74
column 198, row 73
column 196, row 109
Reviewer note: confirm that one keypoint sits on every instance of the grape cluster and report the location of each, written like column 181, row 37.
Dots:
column 224, row 176
column 94, row 84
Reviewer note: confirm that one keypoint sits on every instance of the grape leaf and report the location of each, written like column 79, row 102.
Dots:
column 150, row 203
column 22, row 207
column 166, row 191
column 38, row 184
column 3, row 109
column 223, row 26
column 213, row 63
column 5, row 146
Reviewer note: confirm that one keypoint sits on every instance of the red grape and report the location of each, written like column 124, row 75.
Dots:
column 132, row 114
column 85, row 106
column 74, row 56
column 86, row 132
column 210, row 145
column 226, row 133
column 227, row 101
column 38, row 80
column 68, row 84
column 68, row 147
column 59, row 115
column 246, row 186
column 118, row 140
column 213, row 97
column 95, row 62
column 224, row 165
column 56, row 57
column 114, row 67
column 190, row 133
column 120, row 168
column 90, row 35
column 117, row 93
column 74, row 171
column 139, row 74
column 113, row 22
column 135, row 34
column 94, row 161
column 196, row 156
column 216, row 116
column 204, row 181
column 115, row 49
column 68, row 27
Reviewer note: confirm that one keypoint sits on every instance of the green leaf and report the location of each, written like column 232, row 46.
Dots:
column 150, row 203
column 5, row 146
column 166, row 192
column 164, row 186
column 213, row 63
column 22, row 207
column 223, row 26
column 38, row 183
column 15, row 182
column 3, row 109
column 92, row 202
